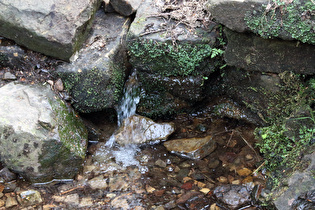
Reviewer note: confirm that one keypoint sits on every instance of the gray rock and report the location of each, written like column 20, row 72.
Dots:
column 233, row 196
column 125, row 7
column 231, row 13
column 98, row 182
column 6, row 175
column 138, row 130
column 95, row 78
column 41, row 138
column 55, row 28
column 9, row 76
column 30, row 197
column 195, row 148
column 10, row 202
column 171, row 75
column 299, row 183
column 251, row 52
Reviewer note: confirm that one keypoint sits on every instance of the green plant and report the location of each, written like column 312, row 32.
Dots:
column 279, row 17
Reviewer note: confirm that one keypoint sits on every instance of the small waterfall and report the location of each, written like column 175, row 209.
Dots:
column 128, row 104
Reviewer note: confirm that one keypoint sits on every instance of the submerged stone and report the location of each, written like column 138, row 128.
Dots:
column 30, row 197
column 138, row 130
column 41, row 138
column 195, row 148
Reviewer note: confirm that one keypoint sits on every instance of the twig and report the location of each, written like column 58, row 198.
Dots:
column 152, row 32
column 257, row 156
column 227, row 144
column 75, row 188
column 254, row 172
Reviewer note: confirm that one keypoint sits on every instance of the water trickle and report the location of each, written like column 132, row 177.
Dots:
column 128, row 104
column 124, row 155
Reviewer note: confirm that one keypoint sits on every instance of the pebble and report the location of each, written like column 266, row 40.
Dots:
column 118, row 183
column 214, row 207
column 10, row 202
column 222, row 179
column 214, row 164
column 72, row 199
column 9, row 76
column 149, row 189
column 86, row 201
column 98, row 183
column 30, row 197
column 7, row 175
column 205, row 190
column 2, row 203
column 244, row 172
column 160, row 163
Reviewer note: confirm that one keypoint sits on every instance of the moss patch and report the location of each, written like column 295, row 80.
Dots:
column 280, row 19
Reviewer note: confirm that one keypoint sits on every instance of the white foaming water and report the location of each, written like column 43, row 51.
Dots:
column 128, row 104
column 125, row 155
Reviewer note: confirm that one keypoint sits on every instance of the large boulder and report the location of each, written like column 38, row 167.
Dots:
column 287, row 20
column 41, row 138
column 173, row 59
column 231, row 13
column 95, row 79
column 254, row 53
column 53, row 27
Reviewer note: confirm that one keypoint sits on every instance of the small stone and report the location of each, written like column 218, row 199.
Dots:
column 59, row 85
column 214, row 164
column 120, row 203
column 7, row 175
column 118, row 183
column 237, row 182
column 205, row 190
column 214, row 207
column 1, row 194
column 200, row 184
column 111, row 195
column 98, row 183
column 159, row 193
column 9, row 76
column 58, row 198
column 10, row 202
column 72, row 199
column 86, row 201
column 177, row 169
column 249, row 157
column 30, row 197
column 160, row 163
column 186, row 179
column 247, row 180
column 244, row 172
column 187, row 186
column 2, row 203
column 195, row 148
column 149, row 189
column 222, row 179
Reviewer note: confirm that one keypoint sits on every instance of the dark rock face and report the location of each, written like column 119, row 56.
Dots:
column 95, row 79
column 125, row 7
column 251, row 52
column 55, row 28
column 41, row 138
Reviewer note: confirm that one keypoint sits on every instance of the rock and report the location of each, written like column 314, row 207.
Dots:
column 98, row 182
column 107, row 6
column 231, row 13
column 72, row 199
column 30, row 197
column 41, row 138
column 232, row 195
column 95, row 78
column 298, row 184
column 86, row 201
column 120, row 202
column 172, row 75
column 125, row 7
column 10, row 202
column 160, row 163
column 9, row 76
column 118, row 183
column 2, row 203
column 48, row 27
column 6, row 175
column 195, row 148
column 243, row 172
column 138, row 130
column 251, row 52
column 306, row 201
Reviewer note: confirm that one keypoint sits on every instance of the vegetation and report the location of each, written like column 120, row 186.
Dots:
column 294, row 19
column 291, row 130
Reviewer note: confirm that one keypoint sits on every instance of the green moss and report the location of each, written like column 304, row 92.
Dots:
column 94, row 88
column 295, row 19
column 291, row 128
column 71, row 129
column 167, row 59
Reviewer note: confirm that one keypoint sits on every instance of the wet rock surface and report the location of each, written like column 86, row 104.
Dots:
column 138, row 130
